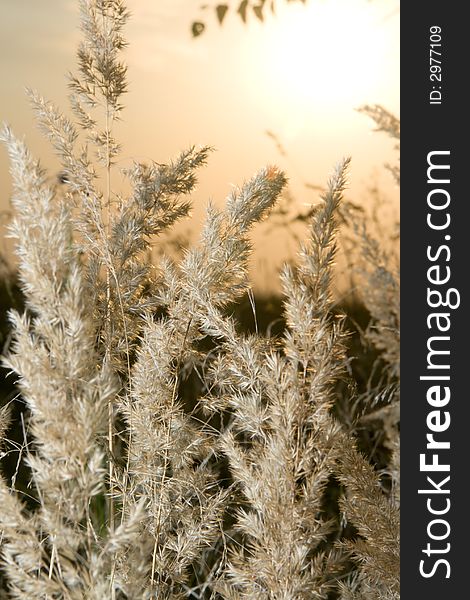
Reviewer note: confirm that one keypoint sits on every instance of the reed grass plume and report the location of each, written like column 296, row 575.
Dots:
column 141, row 486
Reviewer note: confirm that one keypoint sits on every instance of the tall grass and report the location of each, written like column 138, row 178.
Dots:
column 136, row 491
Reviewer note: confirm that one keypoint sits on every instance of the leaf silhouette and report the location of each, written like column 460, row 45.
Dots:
column 242, row 10
column 221, row 10
column 258, row 10
column 197, row 28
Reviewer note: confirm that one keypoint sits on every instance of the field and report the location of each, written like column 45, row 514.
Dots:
column 167, row 432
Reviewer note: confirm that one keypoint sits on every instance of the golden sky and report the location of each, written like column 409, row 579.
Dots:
column 300, row 74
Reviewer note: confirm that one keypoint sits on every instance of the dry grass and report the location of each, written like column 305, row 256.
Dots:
column 136, row 492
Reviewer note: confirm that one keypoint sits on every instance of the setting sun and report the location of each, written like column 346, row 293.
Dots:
column 326, row 55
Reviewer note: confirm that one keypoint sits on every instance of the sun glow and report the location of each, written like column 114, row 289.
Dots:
column 325, row 55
